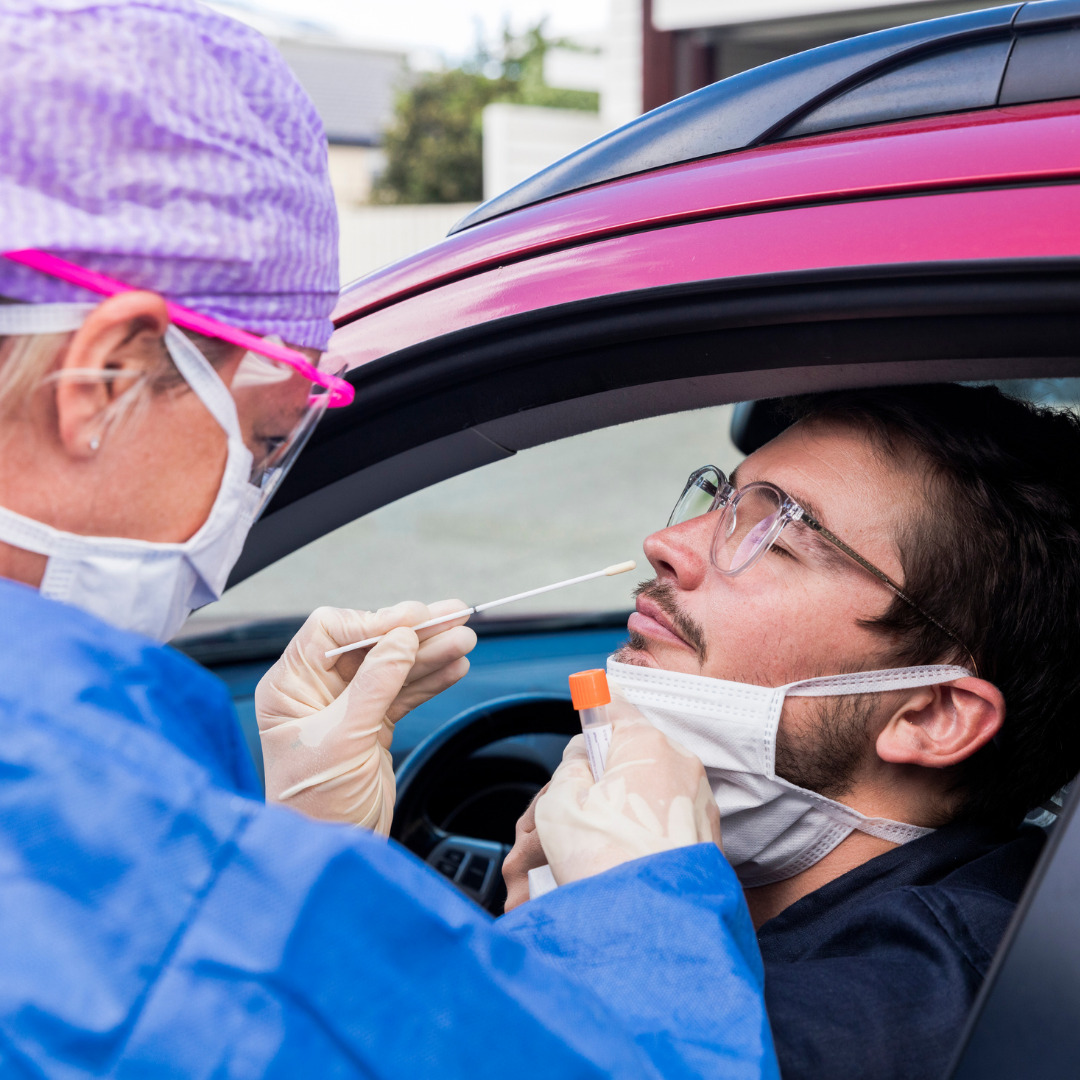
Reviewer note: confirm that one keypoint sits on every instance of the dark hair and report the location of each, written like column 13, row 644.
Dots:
column 996, row 559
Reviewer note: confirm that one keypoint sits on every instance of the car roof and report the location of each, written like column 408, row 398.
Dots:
column 1007, row 55
column 497, row 269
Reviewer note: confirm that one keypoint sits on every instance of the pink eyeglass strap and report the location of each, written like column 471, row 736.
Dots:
column 339, row 391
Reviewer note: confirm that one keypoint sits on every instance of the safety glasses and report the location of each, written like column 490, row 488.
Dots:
column 340, row 391
column 279, row 395
column 278, row 409
column 752, row 518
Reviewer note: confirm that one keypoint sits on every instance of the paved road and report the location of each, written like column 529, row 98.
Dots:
column 548, row 513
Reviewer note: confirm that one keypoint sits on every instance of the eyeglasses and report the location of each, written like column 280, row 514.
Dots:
column 751, row 520
column 338, row 390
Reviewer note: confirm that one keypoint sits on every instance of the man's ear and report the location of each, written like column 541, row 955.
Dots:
column 939, row 726
column 115, row 338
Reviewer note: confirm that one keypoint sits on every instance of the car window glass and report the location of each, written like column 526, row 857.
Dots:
column 1054, row 393
column 548, row 513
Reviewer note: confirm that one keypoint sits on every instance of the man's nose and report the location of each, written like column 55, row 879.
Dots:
column 680, row 553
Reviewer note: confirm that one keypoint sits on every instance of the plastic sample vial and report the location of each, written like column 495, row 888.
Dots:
column 591, row 696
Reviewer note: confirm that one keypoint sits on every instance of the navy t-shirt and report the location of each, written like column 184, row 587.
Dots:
column 873, row 974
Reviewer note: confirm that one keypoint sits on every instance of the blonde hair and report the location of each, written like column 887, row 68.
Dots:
column 26, row 361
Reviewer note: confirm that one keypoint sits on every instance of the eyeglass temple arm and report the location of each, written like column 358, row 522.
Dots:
column 888, row 582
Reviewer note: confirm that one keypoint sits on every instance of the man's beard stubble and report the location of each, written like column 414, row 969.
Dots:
column 825, row 760
column 828, row 760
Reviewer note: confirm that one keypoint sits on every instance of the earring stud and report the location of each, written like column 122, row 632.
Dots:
column 95, row 442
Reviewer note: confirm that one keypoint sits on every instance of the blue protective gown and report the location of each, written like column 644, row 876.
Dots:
column 160, row 920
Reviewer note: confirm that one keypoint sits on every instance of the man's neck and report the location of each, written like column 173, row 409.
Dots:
column 767, row 901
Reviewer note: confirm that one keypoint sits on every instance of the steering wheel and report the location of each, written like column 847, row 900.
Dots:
column 474, row 865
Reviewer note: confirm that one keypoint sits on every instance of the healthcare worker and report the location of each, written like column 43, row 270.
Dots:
column 170, row 264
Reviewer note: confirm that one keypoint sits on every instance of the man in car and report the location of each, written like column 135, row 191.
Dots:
column 929, row 536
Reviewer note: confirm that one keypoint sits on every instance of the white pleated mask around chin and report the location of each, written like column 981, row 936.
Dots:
column 771, row 829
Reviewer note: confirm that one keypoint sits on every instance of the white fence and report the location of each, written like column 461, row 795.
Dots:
column 518, row 141
column 372, row 236
column 522, row 139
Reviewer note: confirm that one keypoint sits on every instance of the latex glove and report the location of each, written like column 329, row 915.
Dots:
column 327, row 725
column 528, row 852
column 654, row 796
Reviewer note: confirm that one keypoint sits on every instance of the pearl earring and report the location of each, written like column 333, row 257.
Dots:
column 95, row 442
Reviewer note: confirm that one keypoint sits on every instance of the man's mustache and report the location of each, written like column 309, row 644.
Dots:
column 663, row 595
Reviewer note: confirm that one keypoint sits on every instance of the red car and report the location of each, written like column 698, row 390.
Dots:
column 901, row 207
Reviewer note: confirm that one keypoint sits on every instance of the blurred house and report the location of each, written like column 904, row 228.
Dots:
column 353, row 88
column 352, row 85
column 522, row 139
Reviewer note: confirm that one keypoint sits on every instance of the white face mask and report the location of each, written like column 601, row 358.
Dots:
column 771, row 829
column 139, row 585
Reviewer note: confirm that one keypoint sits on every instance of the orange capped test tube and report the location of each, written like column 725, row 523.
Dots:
column 591, row 696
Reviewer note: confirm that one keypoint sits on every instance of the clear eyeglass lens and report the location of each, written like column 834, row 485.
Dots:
column 747, row 526
column 697, row 498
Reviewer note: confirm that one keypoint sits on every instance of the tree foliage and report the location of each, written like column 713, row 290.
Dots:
column 434, row 145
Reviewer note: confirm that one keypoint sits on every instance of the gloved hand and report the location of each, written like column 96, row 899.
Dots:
column 654, row 796
column 326, row 725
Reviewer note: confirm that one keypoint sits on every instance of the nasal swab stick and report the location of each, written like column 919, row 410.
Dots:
column 608, row 571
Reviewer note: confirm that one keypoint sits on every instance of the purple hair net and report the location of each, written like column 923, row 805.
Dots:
column 168, row 146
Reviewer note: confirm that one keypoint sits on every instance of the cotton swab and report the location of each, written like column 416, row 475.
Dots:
column 608, row 571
